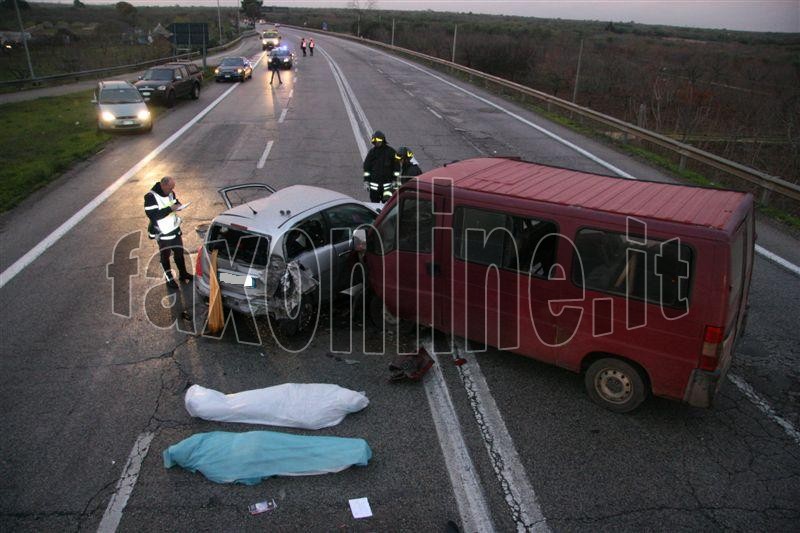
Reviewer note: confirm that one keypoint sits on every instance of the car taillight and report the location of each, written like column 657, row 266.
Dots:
column 712, row 346
column 198, row 265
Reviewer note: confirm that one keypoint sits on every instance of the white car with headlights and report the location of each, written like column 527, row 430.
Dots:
column 121, row 107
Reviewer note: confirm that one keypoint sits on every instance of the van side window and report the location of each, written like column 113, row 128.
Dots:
column 506, row 241
column 415, row 232
column 652, row 272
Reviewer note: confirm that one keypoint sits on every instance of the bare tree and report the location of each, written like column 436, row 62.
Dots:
column 361, row 5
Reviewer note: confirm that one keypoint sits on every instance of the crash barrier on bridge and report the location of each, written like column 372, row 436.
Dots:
column 738, row 175
column 34, row 83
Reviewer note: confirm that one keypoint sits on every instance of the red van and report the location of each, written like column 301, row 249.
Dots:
column 640, row 285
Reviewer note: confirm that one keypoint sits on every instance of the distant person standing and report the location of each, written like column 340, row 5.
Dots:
column 311, row 46
column 275, row 66
column 303, row 46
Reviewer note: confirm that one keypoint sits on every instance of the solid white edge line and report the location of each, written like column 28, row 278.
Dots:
column 354, row 100
column 511, row 474
column 264, row 155
column 470, row 499
column 435, row 114
column 125, row 484
column 764, row 407
column 283, row 116
column 20, row 264
column 291, row 93
column 759, row 249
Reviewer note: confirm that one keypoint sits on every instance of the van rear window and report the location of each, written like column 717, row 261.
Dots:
column 656, row 271
column 240, row 246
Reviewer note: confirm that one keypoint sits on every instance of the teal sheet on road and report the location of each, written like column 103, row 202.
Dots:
column 247, row 458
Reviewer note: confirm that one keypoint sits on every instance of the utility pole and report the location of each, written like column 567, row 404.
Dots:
column 455, row 33
column 392, row 32
column 219, row 24
column 358, row 26
column 238, row 24
column 577, row 73
column 24, row 40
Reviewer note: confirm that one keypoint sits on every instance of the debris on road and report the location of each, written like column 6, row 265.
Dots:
column 342, row 359
column 262, row 507
column 410, row 367
column 247, row 458
column 295, row 405
column 459, row 361
column 360, row 508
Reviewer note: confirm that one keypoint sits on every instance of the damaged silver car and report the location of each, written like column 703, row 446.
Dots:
column 280, row 253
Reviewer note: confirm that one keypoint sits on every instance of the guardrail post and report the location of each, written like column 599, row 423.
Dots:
column 682, row 162
column 765, row 195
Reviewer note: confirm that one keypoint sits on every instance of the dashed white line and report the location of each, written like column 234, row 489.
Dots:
column 409, row 93
column 471, row 501
column 435, row 114
column 32, row 254
column 125, row 484
column 764, row 407
column 264, row 155
column 283, row 116
column 291, row 93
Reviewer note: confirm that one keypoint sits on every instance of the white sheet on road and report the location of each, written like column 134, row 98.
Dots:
column 294, row 405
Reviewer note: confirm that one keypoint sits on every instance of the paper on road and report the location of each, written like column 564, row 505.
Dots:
column 184, row 206
column 360, row 508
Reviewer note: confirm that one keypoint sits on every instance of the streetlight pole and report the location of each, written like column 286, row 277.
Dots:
column 577, row 73
column 219, row 23
column 24, row 39
column 392, row 32
column 455, row 33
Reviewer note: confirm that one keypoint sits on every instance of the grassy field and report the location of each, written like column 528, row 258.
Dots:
column 42, row 138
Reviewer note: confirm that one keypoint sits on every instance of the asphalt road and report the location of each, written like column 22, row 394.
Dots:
column 80, row 385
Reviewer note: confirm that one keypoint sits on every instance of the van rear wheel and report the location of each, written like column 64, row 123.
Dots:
column 616, row 385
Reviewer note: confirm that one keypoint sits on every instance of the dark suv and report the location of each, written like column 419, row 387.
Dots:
column 165, row 83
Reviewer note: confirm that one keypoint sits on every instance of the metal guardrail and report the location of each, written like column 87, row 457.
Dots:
column 765, row 181
column 93, row 73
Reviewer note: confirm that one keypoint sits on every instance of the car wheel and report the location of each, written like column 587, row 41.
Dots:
column 616, row 385
column 195, row 92
column 291, row 327
column 171, row 99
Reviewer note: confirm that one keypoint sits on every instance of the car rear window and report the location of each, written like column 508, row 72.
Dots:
column 237, row 245
column 653, row 270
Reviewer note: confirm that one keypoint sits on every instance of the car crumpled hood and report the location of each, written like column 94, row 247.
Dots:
column 123, row 110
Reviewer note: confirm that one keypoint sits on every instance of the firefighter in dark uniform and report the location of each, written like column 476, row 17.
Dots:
column 409, row 167
column 160, row 205
column 381, row 169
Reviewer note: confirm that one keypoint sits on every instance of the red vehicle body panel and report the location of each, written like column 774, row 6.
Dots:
column 552, row 318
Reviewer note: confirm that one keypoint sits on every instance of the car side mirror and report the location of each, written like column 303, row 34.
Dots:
column 360, row 240
column 140, row 77
column 178, row 77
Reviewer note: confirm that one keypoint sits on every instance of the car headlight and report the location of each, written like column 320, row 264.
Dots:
column 239, row 70
column 285, row 59
column 162, row 87
column 107, row 116
column 263, row 41
column 144, row 114
column 216, row 71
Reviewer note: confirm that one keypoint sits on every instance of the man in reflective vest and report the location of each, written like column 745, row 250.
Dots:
column 381, row 169
column 409, row 165
column 160, row 205
column 311, row 46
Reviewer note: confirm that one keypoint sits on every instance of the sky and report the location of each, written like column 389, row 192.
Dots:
column 748, row 15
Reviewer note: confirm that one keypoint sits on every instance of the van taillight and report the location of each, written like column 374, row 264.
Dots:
column 198, row 265
column 712, row 347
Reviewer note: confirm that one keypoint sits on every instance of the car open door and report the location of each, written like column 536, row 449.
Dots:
column 246, row 192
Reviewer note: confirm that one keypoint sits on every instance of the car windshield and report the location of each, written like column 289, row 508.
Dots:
column 232, row 62
column 158, row 74
column 280, row 52
column 126, row 95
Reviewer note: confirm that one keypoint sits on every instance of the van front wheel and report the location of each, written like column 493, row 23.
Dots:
column 615, row 384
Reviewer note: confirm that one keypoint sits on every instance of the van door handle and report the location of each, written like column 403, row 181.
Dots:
column 433, row 269
column 342, row 254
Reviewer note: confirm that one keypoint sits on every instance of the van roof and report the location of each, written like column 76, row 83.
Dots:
column 699, row 206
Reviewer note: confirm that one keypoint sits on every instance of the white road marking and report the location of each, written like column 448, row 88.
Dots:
column 32, row 254
column 471, row 501
column 517, row 489
column 349, row 90
column 283, row 116
column 360, row 142
column 291, row 93
column 791, row 267
column 435, row 114
column 409, row 93
column 127, row 481
column 764, row 407
column 264, row 155
column 759, row 249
